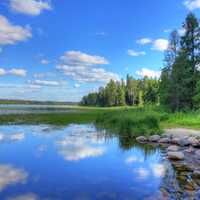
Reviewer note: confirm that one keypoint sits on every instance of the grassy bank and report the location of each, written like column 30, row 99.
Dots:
column 122, row 120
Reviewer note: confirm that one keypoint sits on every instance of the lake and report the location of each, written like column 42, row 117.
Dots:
column 28, row 109
column 81, row 162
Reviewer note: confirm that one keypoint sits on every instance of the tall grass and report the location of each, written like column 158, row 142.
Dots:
column 131, row 122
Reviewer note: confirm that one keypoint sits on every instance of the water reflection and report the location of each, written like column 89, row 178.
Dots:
column 74, row 149
column 10, row 175
column 82, row 162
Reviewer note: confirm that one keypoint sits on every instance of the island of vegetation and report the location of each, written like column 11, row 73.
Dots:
column 142, row 106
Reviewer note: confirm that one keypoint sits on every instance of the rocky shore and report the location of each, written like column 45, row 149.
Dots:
column 183, row 152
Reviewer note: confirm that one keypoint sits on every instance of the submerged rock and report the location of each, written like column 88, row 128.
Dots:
column 141, row 139
column 154, row 138
column 175, row 155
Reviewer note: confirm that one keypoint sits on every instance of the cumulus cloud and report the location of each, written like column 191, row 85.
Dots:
column 29, row 7
column 160, row 44
column 44, row 61
column 11, row 176
column 133, row 159
column 45, row 83
column 2, row 72
column 11, row 34
column 192, row 4
column 144, row 41
column 81, row 67
column 18, row 72
column 181, row 31
column 135, row 53
column 76, row 85
column 77, row 150
column 144, row 72
column 82, row 59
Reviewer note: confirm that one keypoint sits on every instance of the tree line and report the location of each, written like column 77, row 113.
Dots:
column 130, row 92
column 179, row 85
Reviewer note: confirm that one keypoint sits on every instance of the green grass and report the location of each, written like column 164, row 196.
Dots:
column 129, row 121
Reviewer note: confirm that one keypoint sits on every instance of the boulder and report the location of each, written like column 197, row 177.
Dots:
column 154, row 138
column 194, row 142
column 173, row 148
column 164, row 140
column 141, row 139
column 183, row 142
column 197, row 153
column 176, row 155
column 175, row 140
column 196, row 174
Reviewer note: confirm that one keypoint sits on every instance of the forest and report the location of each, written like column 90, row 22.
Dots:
column 178, row 87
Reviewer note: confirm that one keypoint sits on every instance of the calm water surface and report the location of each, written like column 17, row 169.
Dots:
column 79, row 162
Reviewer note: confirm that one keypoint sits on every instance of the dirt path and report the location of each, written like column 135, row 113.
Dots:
column 181, row 132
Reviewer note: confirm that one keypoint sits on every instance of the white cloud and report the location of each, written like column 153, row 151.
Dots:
column 76, row 85
column 133, row 159
column 101, row 33
column 192, row 4
column 45, row 83
column 81, row 67
column 74, row 150
column 28, row 196
column 160, row 44
column 44, row 61
column 142, row 173
column 2, row 72
column 135, row 53
column 158, row 170
column 11, row 176
column 167, row 30
column 144, row 41
column 18, row 72
column 181, row 31
column 84, row 74
column 11, row 34
column 82, row 59
column 144, row 72
column 29, row 7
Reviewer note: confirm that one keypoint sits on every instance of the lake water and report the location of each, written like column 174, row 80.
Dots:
column 26, row 109
column 79, row 162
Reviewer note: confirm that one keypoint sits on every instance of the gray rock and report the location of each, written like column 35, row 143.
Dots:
column 175, row 140
column 176, row 155
column 194, row 142
column 141, row 139
column 183, row 142
column 154, row 138
column 164, row 140
column 196, row 174
column 189, row 150
column 197, row 153
column 173, row 148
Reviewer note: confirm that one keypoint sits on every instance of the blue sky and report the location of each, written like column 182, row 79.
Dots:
column 61, row 50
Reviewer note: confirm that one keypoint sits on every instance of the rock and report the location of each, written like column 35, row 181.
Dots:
column 175, row 155
column 175, row 140
column 173, row 148
column 154, row 138
column 183, row 142
column 189, row 150
column 194, row 142
column 141, row 139
column 196, row 174
column 164, row 140
column 197, row 153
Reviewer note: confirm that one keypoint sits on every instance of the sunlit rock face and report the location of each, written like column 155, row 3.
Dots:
column 10, row 175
